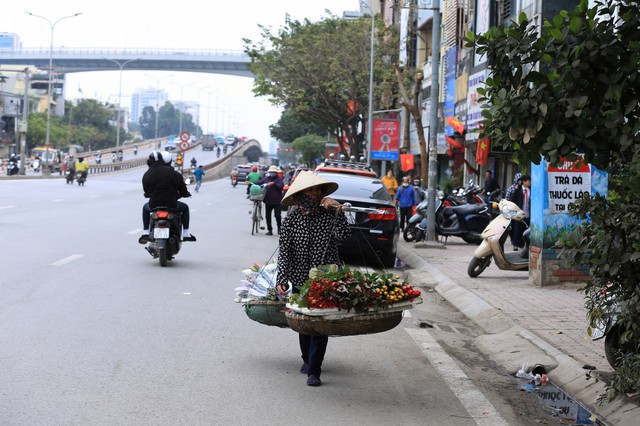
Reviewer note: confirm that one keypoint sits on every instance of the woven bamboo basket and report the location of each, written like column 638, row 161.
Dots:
column 370, row 323
column 267, row 312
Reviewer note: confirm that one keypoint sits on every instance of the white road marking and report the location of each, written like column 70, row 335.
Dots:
column 135, row 231
column 67, row 259
column 406, row 313
column 7, row 207
column 472, row 399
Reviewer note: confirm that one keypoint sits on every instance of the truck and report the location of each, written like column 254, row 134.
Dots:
column 208, row 142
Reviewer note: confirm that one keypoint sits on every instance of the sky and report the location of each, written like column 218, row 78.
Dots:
column 186, row 24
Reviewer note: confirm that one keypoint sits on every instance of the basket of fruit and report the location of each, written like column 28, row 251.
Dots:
column 347, row 303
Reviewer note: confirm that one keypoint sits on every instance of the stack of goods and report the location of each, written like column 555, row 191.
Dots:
column 345, row 303
column 260, row 300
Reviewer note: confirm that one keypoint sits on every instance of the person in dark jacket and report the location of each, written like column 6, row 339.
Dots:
column 310, row 236
column 272, row 197
column 522, row 197
column 163, row 186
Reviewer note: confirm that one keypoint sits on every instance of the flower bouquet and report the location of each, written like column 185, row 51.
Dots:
column 346, row 302
column 258, row 296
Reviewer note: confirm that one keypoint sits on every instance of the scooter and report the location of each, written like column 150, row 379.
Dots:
column 608, row 327
column 411, row 230
column 71, row 175
column 36, row 166
column 234, row 180
column 165, row 230
column 12, row 168
column 82, row 178
column 493, row 239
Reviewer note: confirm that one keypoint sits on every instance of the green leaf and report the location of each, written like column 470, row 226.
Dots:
column 522, row 18
column 556, row 33
column 575, row 24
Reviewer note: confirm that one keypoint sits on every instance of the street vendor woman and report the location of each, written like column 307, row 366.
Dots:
column 308, row 239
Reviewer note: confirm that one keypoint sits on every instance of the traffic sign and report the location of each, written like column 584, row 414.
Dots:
column 185, row 136
column 184, row 145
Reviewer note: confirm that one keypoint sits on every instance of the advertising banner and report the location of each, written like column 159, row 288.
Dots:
column 450, row 85
column 385, row 139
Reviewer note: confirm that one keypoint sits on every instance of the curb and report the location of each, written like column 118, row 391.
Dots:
column 568, row 374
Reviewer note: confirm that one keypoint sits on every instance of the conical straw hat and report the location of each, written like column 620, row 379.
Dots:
column 305, row 180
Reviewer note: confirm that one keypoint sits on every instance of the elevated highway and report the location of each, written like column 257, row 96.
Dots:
column 78, row 59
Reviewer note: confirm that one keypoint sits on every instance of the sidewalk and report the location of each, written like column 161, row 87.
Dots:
column 523, row 322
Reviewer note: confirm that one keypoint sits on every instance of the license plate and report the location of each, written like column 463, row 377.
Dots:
column 351, row 218
column 160, row 233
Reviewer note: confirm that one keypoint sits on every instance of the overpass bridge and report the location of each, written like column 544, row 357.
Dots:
column 77, row 59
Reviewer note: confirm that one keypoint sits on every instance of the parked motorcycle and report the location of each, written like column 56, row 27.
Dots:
column 493, row 239
column 411, row 228
column 609, row 328
column 12, row 167
column 36, row 165
column 165, row 230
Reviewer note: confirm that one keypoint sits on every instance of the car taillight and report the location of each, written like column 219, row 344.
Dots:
column 383, row 213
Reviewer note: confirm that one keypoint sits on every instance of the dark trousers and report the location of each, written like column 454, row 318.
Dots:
column 517, row 231
column 405, row 214
column 313, row 349
column 182, row 208
column 277, row 212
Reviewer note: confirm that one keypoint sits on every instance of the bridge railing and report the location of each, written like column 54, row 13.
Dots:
column 120, row 50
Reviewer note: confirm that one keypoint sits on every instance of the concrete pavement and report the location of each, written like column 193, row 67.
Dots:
column 523, row 323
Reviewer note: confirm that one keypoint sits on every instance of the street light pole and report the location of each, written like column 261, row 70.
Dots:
column 46, row 170
column 121, row 66
column 181, row 86
column 158, row 98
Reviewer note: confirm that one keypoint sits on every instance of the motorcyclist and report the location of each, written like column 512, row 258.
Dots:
column 164, row 186
column 99, row 157
column 218, row 152
column 82, row 167
column 194, row 162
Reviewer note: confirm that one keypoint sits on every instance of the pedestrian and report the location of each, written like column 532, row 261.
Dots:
column 421, row 194
column 490, row 185
column 198, row 173
column 194, row 162
column 272, row 197
column 310, row 236
column 522, row 197
column 390, row 182
column 405, row 199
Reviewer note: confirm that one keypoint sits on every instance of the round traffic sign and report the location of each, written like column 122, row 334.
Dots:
column 185, row 136
column 184, row 145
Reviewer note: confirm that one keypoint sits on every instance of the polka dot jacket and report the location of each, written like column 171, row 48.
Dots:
column 304, row 238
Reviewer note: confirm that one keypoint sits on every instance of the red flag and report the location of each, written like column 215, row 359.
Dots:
column 482, row 151
column 470, row 168
column 450, row 152
column 407, row 162
column 456, row 124
column 453, row 142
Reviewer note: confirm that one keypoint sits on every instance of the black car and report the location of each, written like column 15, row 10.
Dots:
column 375, row 231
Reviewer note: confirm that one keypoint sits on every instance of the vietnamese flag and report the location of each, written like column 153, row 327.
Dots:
column 456, row 124
column 482, row 152
column 453, row 142
column 407, row 162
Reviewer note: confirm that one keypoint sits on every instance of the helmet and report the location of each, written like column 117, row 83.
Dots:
column 154, row 157
column 254, row 169
column 166, row 157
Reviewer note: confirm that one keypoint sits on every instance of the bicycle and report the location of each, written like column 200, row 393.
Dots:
column 256, row 195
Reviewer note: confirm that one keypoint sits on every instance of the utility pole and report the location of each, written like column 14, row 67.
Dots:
column 433, row 124
column 22, row 125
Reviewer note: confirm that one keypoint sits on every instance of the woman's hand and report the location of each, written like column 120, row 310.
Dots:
column 282, row 289
column 330, row 203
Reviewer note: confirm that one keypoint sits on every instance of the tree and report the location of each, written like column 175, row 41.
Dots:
column 148, row 123
column 320, row 71
column 291, row 126
column 310, row 147
column 575, row 88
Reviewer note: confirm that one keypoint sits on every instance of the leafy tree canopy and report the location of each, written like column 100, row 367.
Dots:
column 320, row 70
column 290, row 127
column 310, row 147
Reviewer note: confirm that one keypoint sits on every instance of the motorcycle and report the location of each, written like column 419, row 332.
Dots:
column 608, row 327
column 465, row 221
column 36, row 165
column 493, row 239
column 224, row 150
column 165, row 230
column 234, row 180
column 411, row 230
column 71, row 175
column 12, row 168
column 82, row 178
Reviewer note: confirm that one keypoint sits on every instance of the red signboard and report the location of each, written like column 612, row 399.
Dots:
column 385, row 139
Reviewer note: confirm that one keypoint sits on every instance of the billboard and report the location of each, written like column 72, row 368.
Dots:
column 385, row 139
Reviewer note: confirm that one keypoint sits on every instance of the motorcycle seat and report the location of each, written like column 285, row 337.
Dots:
column 464, row 209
